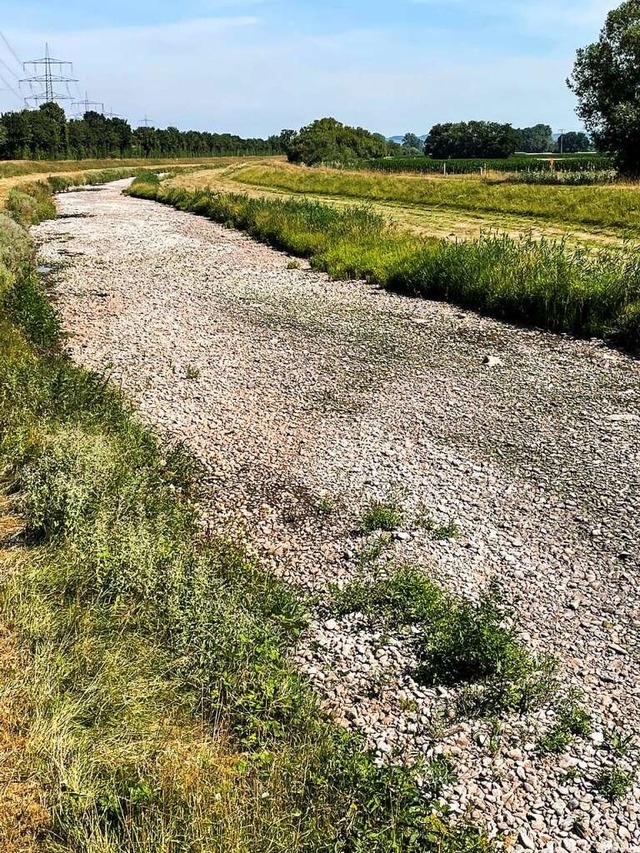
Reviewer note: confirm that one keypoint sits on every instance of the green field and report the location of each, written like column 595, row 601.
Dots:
column 535, row 163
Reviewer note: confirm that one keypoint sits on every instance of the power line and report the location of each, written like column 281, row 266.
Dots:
column 10, row 49
column 48, row 79
column 10, row 88
column 9, row 69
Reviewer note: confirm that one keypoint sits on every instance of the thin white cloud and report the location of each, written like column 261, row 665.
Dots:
column 240, row 74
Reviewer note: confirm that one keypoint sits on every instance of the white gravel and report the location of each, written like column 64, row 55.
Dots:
column 289, row 387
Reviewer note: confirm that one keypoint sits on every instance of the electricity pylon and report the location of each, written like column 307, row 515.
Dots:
column 47, row 73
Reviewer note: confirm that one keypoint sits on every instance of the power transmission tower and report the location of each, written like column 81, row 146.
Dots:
column 47, row 73
column 111, row 114
column 87, row 106
column 145, row 122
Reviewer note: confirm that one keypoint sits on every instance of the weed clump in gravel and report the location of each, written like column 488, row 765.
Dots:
column 382, row 515
column 458, row 642
column 407, row 597
column 573, row 721
column 614, row 782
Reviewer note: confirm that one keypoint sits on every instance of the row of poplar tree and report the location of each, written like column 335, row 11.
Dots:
column 47, row 134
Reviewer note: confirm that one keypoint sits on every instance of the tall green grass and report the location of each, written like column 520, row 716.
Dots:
column 542, row 283
column 538, row 164
column 604, row 206
column 157, row 705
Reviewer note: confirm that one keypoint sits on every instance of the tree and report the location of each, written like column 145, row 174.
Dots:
column 329, row 141
column 606, row 81
column 572, row 142
column 411, row 140
column 536, row 139
column 472, row 139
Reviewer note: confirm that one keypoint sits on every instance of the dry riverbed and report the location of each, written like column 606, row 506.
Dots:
column 306, row 398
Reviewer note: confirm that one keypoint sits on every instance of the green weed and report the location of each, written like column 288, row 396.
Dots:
column 459, row 642
column 543, row 283
column 382, row 515
column 614, row 783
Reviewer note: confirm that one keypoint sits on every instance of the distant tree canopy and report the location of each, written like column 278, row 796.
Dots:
column 536, row 139
column 329, row 141
column 411, row 140
column 47, row 134
column 472, row 139
column 572, row 142
column 606, row 81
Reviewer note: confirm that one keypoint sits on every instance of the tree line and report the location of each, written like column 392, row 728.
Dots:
column 329, row 141
column 47, row 134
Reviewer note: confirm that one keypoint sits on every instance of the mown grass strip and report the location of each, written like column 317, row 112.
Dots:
column 541, row 283
column 157, row 707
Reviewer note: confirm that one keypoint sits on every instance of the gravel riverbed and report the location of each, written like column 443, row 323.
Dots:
column 298, row 393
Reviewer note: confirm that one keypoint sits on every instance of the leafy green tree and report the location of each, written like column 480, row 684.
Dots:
column 472, row 139
column 411, row 140
column 46, row 133
column 536, row 139
column 572, row 142
column 606, row 81
column 329, row 141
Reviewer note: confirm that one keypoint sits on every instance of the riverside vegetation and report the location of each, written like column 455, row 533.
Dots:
column 545, row 282
column 147, row 701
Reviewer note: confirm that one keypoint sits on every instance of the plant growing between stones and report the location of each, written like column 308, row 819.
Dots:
column 382, row 515
column 614, row 782
column 459, row 642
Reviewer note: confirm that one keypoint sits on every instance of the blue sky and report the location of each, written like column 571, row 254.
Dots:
column 255, row 66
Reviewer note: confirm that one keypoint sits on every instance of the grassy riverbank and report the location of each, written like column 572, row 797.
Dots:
column 602, row 206
column 542, row 283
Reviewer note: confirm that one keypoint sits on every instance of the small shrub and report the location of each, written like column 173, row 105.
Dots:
column 451, row 530
column 573, row 721
column 293, row 265
column 325, row 505
column 556, row 740
column 474, row 644
column 613, row 783
column 619, row 743
column 192, row 372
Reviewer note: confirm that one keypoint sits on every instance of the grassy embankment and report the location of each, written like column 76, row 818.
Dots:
column 147, row 703
column 15, row 174
column 600, row 207
column 542, row 283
